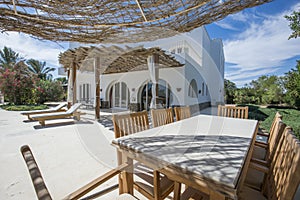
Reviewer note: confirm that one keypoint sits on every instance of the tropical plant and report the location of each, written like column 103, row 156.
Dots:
column 294, row 20
column 62, row 80
column 8, row 58
column 16, row 85
column 39, row 68
column 47, row 90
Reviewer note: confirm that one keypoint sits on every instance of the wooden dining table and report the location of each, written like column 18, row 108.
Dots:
column 207, row 153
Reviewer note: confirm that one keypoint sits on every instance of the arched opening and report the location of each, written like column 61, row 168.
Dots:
column 164, row 95
column 119, row 95
column 193, row 89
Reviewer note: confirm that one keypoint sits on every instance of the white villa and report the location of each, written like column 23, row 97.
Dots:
column 198, row 81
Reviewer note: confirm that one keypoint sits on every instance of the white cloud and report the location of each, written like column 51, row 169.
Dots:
column 250, row 74
column 226, row 25
column 29, row 47
column 262, row 48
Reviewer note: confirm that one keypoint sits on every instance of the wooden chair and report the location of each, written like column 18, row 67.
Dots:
column 233, row 111
column 263, row 154
column 42, row 191
column 182, row 113
column 266, row 134
column 71, row 112
column 264, row 150
column 126, row 124
column 58, row 108
column 283, row 174
column 162, row 116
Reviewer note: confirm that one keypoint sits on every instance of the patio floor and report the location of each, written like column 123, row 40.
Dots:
column 69, row 154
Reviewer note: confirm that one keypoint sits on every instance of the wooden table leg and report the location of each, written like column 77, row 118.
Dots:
column 128, row 177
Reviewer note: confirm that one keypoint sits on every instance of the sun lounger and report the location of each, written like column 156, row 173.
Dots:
column 58, row 108
column 72, row 112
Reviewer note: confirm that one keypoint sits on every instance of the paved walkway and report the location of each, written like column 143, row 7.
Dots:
column 69, row 154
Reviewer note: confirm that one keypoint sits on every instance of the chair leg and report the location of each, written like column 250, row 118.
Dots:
column 177, row 190
column 156, row 185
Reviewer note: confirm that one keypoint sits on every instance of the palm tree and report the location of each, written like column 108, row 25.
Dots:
column 63, row 80
column 39, row 68
column 9, row 58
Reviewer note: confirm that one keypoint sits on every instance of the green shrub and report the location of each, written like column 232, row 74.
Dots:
column 266, row 115
column 23, row 107
column 47, row 90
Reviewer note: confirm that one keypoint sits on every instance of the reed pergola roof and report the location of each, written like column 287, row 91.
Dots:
column 113, row 21
column 114, row 59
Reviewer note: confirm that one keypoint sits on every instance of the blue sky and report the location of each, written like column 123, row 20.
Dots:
column 255, row 42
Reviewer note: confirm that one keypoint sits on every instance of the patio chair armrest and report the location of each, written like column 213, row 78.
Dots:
column 96, row 182
column 35, row 173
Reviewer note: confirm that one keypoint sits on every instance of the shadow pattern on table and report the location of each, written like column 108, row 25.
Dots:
column 213, row 156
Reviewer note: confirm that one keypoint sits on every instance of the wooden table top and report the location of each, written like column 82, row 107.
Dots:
column 210, row 147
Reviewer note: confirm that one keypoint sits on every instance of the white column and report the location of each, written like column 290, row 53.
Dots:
column 154, row 76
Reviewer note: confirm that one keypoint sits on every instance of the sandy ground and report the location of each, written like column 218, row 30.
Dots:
column 69, row 153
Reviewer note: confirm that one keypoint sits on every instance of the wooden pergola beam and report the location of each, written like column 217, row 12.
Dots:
column 97, row 84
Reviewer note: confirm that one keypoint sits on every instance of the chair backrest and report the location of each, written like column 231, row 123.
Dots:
column 182, row 113
column 161, row 116
column 275, row 134
column 130, row 123
column 35, row 173
column 60, row 106
column 73, row 108
column 233, row 111
column 277, row 117
column 284, row 176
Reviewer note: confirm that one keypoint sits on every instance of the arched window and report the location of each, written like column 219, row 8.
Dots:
column 163, row 95
column 193, row 89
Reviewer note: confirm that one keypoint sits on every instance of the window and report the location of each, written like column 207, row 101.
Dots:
column 202, row 89
column 193, row 89
column 84, row 92
column 179, row 50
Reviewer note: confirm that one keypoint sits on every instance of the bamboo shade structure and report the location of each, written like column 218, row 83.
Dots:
column 112, row 21
column 114, row 59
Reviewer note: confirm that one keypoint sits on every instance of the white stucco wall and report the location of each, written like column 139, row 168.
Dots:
column 204, row 62
column 137, row 79
column 212, row 65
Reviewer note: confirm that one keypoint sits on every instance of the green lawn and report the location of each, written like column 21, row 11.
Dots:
column 265, row 115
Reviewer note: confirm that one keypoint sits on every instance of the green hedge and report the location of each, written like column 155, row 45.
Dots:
column 266, row 115
column 23, row 107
